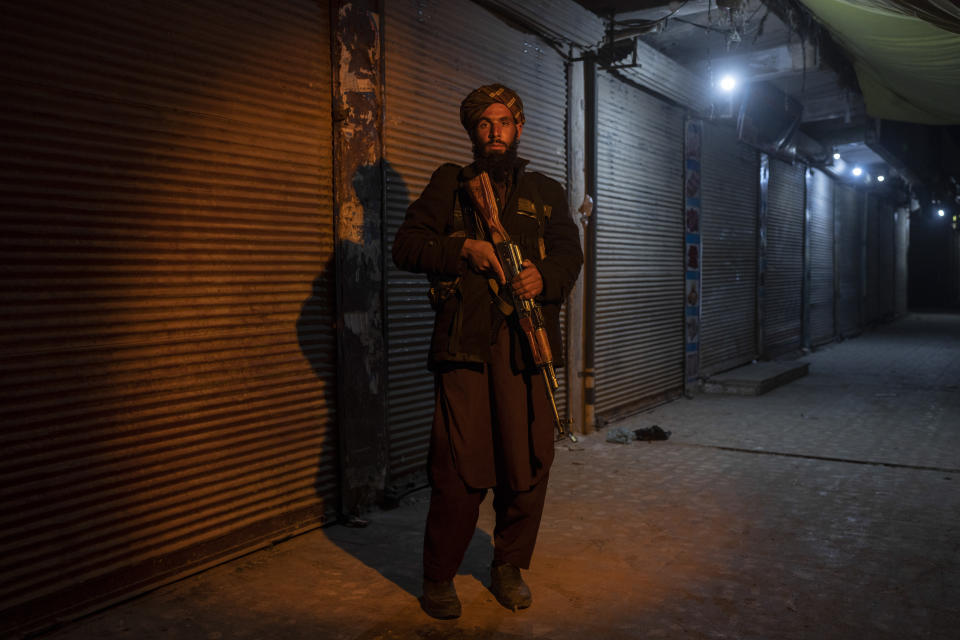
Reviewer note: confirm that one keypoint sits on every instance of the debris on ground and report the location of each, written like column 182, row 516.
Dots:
column 619, row 435
column 623, row 435
column 653, row 433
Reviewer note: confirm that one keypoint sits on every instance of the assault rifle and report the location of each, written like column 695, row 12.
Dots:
column 529, row 312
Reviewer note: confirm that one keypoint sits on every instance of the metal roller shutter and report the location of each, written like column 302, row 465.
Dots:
column 902, row 239
column 639, row 303
column 872, row 303
column 847, row 216
column 881, row 261
column 820, row 254
column 168, row 358
column 783, row 299
column 887, row 260
column 731, row 174
column 463, row 46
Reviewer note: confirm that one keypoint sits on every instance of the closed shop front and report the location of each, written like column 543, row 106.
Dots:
column 731, row 176
column 887, row 256
column 783, row 291
column 880, row 263
column 848, row 214
column 820, row 258
column 463, row 46
column 873, row 271
column 168, row 354
column 639, row 295
column 901, row 249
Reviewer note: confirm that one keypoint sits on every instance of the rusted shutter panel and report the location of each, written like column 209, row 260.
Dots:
column 783, row 299
column 168, row 357
column 820, row 255
column 731, row 175
column 435, row 54
column 639, row 305
column 848, row 213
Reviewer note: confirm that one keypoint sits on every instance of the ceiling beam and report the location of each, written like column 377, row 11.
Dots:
column 766, row 64
column 656, row 13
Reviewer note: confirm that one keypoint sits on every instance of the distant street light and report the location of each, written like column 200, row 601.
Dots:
column 857, row 171
column 728, row 83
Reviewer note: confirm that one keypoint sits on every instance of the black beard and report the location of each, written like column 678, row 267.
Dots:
column 498, row 165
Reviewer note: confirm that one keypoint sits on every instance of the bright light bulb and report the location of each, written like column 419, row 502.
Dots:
column 880, row 178
column 857, row 171
column 728, row 83
column 941, row 213
column 836, row 156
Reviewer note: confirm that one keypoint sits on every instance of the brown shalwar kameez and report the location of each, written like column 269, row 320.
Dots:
column 514, row 457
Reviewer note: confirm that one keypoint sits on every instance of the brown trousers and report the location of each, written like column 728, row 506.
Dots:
column 492, row 428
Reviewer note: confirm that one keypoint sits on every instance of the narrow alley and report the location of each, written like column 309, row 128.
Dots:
column 825, row 509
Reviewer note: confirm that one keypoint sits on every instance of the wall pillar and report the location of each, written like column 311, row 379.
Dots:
column 762, row 253
column 808, row 184
column 358, row 203
column 577, row 199
column 589, row 277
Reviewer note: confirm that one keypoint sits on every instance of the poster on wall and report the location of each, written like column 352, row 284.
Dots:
column 692, row 142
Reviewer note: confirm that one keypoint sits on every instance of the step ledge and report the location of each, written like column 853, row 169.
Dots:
column 756, row 379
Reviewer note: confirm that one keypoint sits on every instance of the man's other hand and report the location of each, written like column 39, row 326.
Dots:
column 528, row 283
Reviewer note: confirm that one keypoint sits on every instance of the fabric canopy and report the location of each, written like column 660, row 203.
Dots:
column 942, row 13
column 908, row 67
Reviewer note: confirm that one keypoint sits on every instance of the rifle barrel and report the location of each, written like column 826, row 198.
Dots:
column 564, row 433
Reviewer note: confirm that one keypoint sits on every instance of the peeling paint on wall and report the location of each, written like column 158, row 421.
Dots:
column 358, row 189
column 357, row 104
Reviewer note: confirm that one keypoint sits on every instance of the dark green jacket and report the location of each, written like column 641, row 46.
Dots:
column 426, row 243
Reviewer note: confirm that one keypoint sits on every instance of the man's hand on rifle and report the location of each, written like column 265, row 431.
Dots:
column 529, row 283
column 482, row 258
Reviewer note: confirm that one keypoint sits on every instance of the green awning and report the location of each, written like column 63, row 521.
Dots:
column 908, row 67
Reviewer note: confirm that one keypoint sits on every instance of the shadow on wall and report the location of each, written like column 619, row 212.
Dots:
column 314, row 325
column 391, row 541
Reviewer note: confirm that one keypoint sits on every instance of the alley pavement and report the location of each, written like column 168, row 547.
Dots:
column 825, row 509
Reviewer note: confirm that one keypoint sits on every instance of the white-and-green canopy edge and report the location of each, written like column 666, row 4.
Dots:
column 906, row 54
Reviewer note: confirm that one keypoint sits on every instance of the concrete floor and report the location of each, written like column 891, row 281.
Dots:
column 827, row 508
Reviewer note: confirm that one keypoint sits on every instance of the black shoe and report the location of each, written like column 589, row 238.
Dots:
column 508, row 587
column 440, row 600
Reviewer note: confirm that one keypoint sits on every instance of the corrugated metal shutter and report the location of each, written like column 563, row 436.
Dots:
column 463, row 46
column 639, row 303
column 561, row 21
column 731, row 175
column 886, row 257
column 881, row 267
column 847, row 216
column 168, row 357
column 872, row 310
column 783, row 296
column 820, row 256
column 902, row 217
column 661, row 74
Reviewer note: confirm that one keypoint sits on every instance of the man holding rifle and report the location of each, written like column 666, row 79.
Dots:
column 495, row 342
